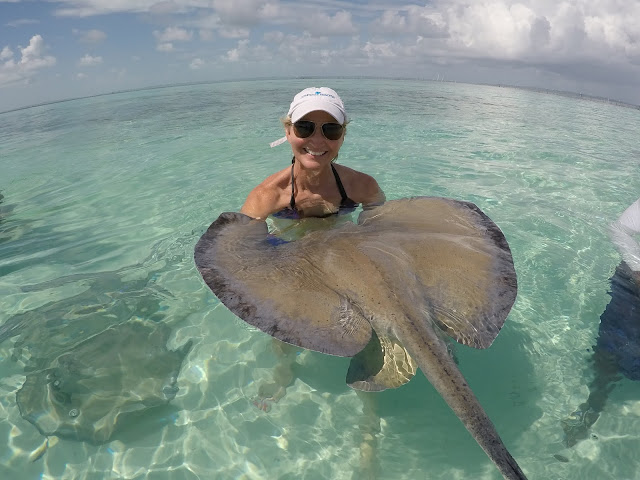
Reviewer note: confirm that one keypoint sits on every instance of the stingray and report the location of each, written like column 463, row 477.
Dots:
column 387, row 291
column 50, row 329
column 93, row 389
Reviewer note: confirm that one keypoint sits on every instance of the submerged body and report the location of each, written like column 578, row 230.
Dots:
column 382, row 292
column 617, row 349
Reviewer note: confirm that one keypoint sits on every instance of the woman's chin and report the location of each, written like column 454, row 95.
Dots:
column 314, row 161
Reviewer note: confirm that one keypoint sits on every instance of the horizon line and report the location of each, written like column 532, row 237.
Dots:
column 566, row 93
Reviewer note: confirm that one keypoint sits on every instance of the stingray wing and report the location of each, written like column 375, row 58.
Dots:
column 460, row 258
column 279, row 289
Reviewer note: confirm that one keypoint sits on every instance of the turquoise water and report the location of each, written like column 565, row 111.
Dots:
column 105, row 197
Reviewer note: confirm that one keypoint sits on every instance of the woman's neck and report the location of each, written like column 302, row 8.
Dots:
column 311, row 179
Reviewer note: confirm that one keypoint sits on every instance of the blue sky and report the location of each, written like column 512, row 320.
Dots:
column 57, row 49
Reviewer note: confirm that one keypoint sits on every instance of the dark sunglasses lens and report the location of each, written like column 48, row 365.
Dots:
column 303, row 128
column 333, row 131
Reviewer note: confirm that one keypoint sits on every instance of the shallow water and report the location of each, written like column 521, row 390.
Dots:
column 105, row 197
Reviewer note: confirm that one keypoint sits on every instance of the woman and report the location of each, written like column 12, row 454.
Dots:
column 313, row 186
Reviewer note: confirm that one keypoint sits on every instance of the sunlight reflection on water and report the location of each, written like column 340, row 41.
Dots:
column 104, row 199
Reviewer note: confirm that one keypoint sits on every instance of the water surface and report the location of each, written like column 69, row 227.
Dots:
column 104, row 199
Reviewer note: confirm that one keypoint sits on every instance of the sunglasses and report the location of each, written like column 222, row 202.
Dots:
column 305, row 128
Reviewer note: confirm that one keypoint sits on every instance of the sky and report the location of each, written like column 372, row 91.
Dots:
column 58, row 49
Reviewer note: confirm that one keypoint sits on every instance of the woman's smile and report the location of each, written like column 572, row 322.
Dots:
column 315, row 153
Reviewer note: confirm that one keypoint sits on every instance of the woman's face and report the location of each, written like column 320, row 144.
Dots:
column 314, row 151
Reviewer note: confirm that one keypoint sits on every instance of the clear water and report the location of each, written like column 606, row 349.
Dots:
column 105, row 197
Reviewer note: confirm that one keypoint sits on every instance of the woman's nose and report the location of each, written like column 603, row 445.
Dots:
column 317, row 132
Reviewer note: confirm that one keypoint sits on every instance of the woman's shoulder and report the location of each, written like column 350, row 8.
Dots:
column 276, row 181
column 350, row 175
column 268, row 196
column 360, row 187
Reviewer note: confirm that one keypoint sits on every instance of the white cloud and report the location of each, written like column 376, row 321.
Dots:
column 234, row 32
column 495, row 30
column 87, row 8
column 6, row 54
column 234, row 25
column 322, row 24
column 118, row 73
column 33, row 53
column 379, row 50
column 391, row 22
column 165, row 47
column 205, row 22
column 89, row 61
column 238, row 12
column 299, row 49
column 173, row 34
column 166, row 7
column 543, row 30
column 245, row 52
column 500, row 29
column 32, row 59
column 206, row 35
column 235, row 54
column 563, row 38
column 90, row 36
column 243, row 13
column 196, row 64
column 274, row 11
column 274, row 37
column 166, row 38
column 414, row 20
column 22, row 21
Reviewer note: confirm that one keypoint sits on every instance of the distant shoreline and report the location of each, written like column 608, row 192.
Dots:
column 561, row 93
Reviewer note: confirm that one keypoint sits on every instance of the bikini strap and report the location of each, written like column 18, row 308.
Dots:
column 343, row 193
column 292, row 202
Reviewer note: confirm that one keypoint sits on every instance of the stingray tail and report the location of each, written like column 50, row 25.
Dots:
column 431, row 355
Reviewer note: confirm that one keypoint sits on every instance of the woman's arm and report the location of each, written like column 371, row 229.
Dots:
column 261, row 202
column 363, row 188
column 376, row 195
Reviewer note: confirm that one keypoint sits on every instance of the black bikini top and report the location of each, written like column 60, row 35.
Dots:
column 346, row 204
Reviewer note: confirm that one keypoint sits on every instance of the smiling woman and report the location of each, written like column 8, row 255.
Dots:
column 313, row 186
